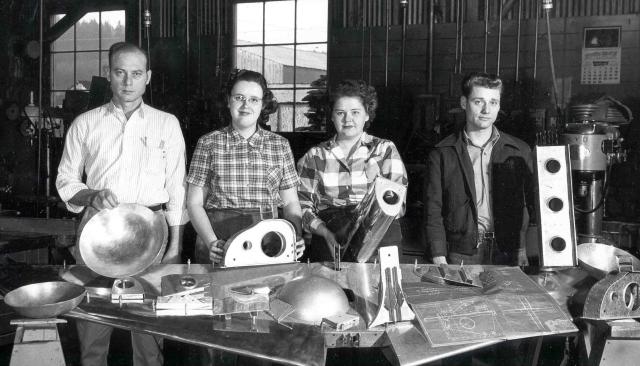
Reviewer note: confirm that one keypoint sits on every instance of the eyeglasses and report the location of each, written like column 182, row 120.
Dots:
column 239, row 98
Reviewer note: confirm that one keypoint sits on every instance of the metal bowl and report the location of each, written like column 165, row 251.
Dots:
column 600, row 259
column 45, row 299
column 314, row 298
column 123, row 241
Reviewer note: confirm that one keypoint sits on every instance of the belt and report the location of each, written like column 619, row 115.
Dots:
column 156, row 207
column 485, row 236
column 263, row 212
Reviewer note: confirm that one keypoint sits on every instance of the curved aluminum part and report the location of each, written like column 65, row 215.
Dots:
column 392, row 304
column 617, row 296
column 375, row 213
column 45, row 299
column 600, row 259
column 270, row 241
column 123, row 241
column 313, row 298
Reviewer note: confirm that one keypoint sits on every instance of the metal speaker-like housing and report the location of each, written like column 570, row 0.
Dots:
column 556, row 223
column 314, row 298
column 123, row 241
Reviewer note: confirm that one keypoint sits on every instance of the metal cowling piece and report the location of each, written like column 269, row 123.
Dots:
column 617, row 296
column 314, row 298
column 45, row 299
column 374, row 214
column 270, row 241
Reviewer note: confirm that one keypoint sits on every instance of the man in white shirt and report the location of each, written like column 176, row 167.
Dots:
column 131, row 153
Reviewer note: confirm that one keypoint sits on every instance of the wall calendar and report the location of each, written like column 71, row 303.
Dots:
column 601, row 53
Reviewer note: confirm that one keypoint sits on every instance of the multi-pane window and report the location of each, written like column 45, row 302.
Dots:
column 287, row 42
column 82, row 51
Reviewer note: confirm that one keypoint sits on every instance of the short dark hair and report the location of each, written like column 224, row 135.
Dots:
column 480, row 79
column 356, row 88
column 269, row 102
column 119, row 47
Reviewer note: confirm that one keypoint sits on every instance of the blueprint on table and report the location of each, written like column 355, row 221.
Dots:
column 509, row 306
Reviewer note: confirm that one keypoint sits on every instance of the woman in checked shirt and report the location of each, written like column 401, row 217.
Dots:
column 336, row 174
column 241, row 174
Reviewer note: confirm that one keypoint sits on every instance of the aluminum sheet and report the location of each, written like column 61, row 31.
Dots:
column 298, row 343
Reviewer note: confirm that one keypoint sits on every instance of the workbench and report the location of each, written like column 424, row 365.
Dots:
column 304, row 344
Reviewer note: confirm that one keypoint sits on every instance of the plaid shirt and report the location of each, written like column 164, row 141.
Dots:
column 328, row 178
column 243, row 173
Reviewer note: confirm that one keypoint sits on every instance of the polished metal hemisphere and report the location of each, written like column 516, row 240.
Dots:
column 45, row 299
column 314, row 298
column 123, row 241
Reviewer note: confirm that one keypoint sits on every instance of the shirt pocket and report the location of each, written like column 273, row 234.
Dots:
column 154, row 160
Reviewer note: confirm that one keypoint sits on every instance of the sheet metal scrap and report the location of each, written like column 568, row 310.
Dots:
column 446, row 274
column 617, row 296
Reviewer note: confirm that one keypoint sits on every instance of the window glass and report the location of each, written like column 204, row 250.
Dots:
column 64, row 42
column 87, row 32
column 312, row 21
column 82, row 51
column 87, row 65
column 311, row 63
column 112, row 28
column 249, row 23
column 249, row 58
column 291, row 52
column 62, row 67
column 278, row 65
column 279, row 20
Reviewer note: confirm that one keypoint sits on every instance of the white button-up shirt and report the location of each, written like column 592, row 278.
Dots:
column 141, row 160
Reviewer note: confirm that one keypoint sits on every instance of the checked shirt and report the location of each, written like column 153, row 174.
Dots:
column 328, row 178
column 243, row 173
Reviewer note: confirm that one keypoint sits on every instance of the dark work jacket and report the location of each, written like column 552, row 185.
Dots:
column 451, row 214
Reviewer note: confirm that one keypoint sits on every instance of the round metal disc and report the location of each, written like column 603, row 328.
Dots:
column 123, row 241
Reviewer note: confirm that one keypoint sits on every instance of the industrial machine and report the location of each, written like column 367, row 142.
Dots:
column 593, row 147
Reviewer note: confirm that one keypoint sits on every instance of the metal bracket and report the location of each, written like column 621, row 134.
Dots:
column 127, row 290
column 391, row 299
column 626, row 263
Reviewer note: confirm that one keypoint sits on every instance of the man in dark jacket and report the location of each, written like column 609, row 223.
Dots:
column 479, row 181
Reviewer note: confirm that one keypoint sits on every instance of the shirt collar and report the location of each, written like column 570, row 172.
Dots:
column 112, row 109
column 234, row 138
column 495, row 135
column 365, row 140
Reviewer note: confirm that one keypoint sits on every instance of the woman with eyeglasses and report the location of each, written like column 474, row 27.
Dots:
column 241, row 174
column 336, row 174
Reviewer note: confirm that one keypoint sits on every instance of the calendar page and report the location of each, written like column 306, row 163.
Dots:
column 601, row 55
